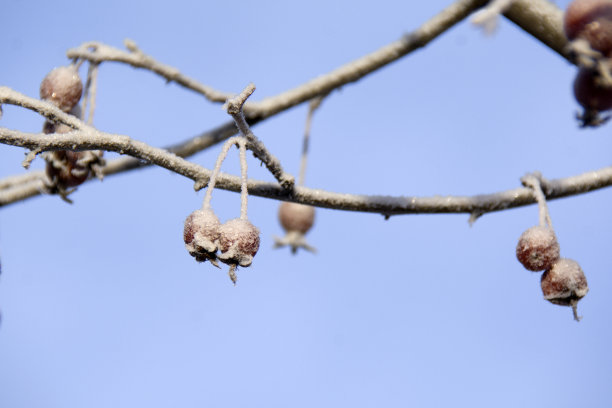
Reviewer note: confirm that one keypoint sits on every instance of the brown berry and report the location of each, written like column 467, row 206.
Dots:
column 201, row 235
column 537, row 248
column 592, row 21
column 296, row 217
column 238, row 242
column 589, row 93
column 62, row 87
column 564, row 284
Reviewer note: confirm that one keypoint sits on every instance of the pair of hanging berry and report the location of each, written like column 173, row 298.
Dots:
column 237, row 240
column 563, row 282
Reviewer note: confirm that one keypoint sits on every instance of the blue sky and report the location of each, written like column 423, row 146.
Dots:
column 102, row 305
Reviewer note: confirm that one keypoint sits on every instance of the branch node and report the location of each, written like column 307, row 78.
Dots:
column 200, row 184
column 131, row 46
column 233, row 106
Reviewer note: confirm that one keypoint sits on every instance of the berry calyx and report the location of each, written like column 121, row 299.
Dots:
column 238, row 243
column 62, row 87
column 201, row 235
column 564, row 284
column 537, row 248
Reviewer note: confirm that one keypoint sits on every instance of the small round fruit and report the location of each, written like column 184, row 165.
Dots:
column 63, row 168
column 537, row 248
column 564, row 283
column 592, row 21
column 589, row 93
column 296, row 217
column 238, row 242
column 62, row 87
column 201, row 234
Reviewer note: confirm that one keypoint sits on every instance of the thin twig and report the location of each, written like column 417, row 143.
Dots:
column 234, row 108
column 97, row 52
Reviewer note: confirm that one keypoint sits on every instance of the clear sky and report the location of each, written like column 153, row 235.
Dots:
column 102, row 306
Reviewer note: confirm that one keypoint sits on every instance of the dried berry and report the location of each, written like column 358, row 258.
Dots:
column 590, row 20
column 537, row 248
column 564, row 284
column 66, row 168
column 590, row 93
column 62, row 87
column 238, row 242
column 201, row 235
column 296, row 217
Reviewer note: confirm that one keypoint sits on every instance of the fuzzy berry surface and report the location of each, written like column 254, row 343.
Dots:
column 296, row 217
column 65, row 169
column 537, row 248
column 62, row 87
column 238, row 241
column 592, row 21
column 564, row 283
column 201, row 232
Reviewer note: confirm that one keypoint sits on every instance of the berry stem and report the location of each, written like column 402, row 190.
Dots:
column 244, row 194
column 91, row 88
column 312, row 107
column 213, row 178
column 533, row 181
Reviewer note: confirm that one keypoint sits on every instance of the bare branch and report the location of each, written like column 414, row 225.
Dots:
column 351, row 72
column 234, row 108
column 481, row 204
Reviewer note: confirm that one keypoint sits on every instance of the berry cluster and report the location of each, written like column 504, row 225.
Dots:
column 563, row 282
column 237, row 240
column 588, row 25
column 66, row 169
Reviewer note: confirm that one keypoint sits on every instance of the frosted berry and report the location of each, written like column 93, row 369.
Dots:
column 590, row 20
column 62, row 87
column 201, row 235
column 589, row 93
column 564, row 284
column 238, row 242
column 66, row 168
column 296, row 217
column 537, row 248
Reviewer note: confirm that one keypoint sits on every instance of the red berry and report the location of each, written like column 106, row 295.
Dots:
column 238, row 242
column 564, row 283
column 201, row 235
column 62, row 87
column 592, row 21
column 537, row 248
column 296, row 217
column 589, row 93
